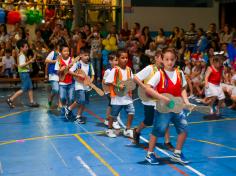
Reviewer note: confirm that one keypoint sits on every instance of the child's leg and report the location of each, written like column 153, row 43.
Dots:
column 130, row 111
column 16, row 94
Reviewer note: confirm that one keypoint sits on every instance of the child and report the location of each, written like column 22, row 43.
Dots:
column 82, row 90
column 120, row 73
column 145, row 75
column 53, row 77
column 23, row 69
column 66, row 85
column 187, row 73
column 172, row 81
column 213, row 76
column 196, row 77
column 8, row 64
column 113, row 62
column 233, row 90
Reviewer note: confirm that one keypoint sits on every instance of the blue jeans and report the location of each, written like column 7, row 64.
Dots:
column 97, row 67
column 115, row 109
column 26, row 83
column 82, row 97
column 55, row 86
column 162, row 121
column 67, row 93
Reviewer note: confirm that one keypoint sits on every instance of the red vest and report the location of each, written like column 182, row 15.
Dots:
column 68, row 77
column 167, row 86
column 215, row 76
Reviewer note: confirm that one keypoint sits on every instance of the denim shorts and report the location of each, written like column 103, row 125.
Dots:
column 115, row 109
column 26, row 83
column 67, row 93
column 82, row 97
column 55, row 86
column 148, row 115
column 162, row 121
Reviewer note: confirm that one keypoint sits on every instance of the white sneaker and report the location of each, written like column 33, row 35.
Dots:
column 128, row 133
column 106, row 122
column 116, row 125
column 111, row 133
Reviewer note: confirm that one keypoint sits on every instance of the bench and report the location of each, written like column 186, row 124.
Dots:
column 35, row 80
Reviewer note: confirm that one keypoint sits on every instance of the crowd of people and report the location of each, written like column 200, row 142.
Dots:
column 192, row 64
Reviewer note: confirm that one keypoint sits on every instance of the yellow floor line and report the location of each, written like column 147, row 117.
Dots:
column 15, row 113
column 96, row 155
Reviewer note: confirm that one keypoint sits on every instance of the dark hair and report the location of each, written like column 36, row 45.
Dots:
column 137, row 24
column 8, row 50
column 84, row 50
column 112, row 56
column 120, row 51
column 171, row 50
column 4, row 28
column 62, row 46
column 21, row 43
column 218, row 58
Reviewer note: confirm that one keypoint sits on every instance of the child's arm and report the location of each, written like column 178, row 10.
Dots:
column 185, row 96
column 150, row 91
column 207, row 74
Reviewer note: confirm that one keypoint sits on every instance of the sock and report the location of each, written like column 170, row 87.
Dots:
column 69, row 108
column 78, row 116
column 149, row 153
column 177, row 151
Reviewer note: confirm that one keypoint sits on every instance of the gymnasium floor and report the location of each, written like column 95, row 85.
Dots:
column 38, row 142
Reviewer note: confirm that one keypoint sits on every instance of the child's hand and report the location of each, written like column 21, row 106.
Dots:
column 121, row 86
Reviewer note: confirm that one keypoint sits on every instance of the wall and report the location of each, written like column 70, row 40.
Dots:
column 168, row 17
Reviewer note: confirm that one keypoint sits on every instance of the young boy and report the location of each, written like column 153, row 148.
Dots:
column 66, row 85
column 23, row 69
column 113, row 62
column 142, row 78
column 53, row 77
column 172, row 81
column 8, row 64
column 81, row 89
column 120, row 73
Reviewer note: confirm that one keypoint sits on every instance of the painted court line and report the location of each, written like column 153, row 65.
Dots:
column 221, row 157
column 58, row 153
column 86, row 166
column 102, row 144
column 163, row 151
column 96, row 155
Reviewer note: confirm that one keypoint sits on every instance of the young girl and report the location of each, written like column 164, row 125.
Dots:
column 82, row 90
column 187, row 73
column 120, row 73
column 113, row 62
column 196, row 78
column 141, row 78
column 213, row 76
column 66, row 86
column 172, row 81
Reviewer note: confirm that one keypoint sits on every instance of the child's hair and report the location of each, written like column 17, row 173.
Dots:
column 84, row 50
column 63, row 46
column 171, row 50
column 218, row 58
column 111, row 56
column 120, row 51
column 158, row 52
column 21, row 43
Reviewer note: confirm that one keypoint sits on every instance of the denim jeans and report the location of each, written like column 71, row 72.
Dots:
column 67, row 93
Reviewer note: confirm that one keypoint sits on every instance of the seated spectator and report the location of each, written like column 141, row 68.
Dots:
column 8, row 63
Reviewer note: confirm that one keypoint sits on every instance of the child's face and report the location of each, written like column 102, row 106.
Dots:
column 65, row 52
column 123, row 59
column 8, row 54
column 25, row 48
column 85, row 57
column 114, row 62
column 158, row 59
column 217, row 64
column 169, row 60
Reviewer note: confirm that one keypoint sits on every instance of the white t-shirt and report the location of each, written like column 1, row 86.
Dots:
column 106, row 73
column 8, row 62
column 187, row 70
column 150, row 53
column 142, row 75
column 52, row 76
column 85, row 68
column 125, row 100
column 57, row 67
column 171, row 74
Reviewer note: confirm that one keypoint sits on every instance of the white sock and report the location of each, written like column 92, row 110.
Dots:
column 78, row 116
column 177, row 151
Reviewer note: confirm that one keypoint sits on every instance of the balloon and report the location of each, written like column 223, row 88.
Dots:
column 2, row 16
column 13, row 17
column 30, row 17
column 112, row 41
column 38, row 17
column 114, row 48
column 108, row 47
column 105, row 42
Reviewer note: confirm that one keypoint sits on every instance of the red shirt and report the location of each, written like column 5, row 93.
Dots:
column 167, row 86
column 215, row 76
column 68, row 77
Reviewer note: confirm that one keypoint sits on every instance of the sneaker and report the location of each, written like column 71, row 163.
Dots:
column 68, row 113
column 151, row 158
column 128, row 133
column 80, row 120
column 179, row 157
column 34, row 105
column 136, row 139
column 111, row 133
column 106, row 122
column 116, row 125
column 169, row 146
